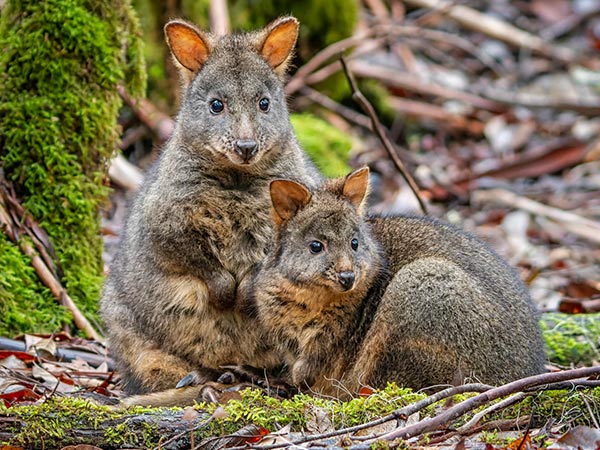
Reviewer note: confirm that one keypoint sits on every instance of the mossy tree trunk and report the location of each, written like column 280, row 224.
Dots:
column 60, row 64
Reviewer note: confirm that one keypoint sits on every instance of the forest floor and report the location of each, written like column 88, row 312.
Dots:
column 494, row 111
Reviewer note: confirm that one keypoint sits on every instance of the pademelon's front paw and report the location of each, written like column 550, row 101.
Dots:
column 198, row 377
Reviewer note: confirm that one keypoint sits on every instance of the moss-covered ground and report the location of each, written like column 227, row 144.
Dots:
column 67, row 421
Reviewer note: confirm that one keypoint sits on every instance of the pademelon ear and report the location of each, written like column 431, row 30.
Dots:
column 356, row 187
column 188, row 44
column 287, row 197
column 278, row 46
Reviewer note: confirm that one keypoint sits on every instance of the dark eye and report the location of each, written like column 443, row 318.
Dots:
column 315, row 247
column 354, row 244
column 263, row 104
column 216, row 106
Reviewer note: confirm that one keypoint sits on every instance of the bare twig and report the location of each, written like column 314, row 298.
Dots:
column 298, row 80
column 158, row 122
column 377, row 127
column 399, row 414
column 379, row 9
column 585, row 106
column 64, row 354
column 464, row 429
column 344, row 111
column 592, row 415
column 191, row 430
column 428, row 111
column 409, row 82
column 453, row 413
column 377, row 36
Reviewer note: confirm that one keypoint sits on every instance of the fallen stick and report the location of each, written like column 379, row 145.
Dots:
column 574, row 223
column 62, row 354
column 158, row 122
column 443, row 419
column 424, row 110
column 399, row 414
column 409, row 82
column 376, row 36
column 468, row 426
column 344, row 111
column 125, row 174
column 586, row 106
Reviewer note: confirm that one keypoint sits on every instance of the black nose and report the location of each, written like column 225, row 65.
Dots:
column 246, row 148
column 346, row 279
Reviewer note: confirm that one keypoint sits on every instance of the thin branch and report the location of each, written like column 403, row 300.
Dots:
column 377, row 127
column 344, row 111
column 376, row 36
column 63, row 354
column 399, row 414
column 298, row 80
column 441, row 420
column 409, row 82
column 446, row 119
column 158, row 122
column 464, row 429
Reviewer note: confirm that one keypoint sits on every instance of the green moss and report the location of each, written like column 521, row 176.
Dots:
column 264, row 411
column 327, row 146
column 571, row 339
column 24, row 302
column 63, row 421
column 60, row 65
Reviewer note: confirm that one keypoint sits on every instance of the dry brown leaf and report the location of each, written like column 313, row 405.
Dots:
column 579, row 438
column 317, row 420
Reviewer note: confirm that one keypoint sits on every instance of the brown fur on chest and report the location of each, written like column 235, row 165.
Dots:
column 296, row 308
column 235, row 226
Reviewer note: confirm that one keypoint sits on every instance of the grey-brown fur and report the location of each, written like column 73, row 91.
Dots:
column 434, row 306
column 201, row 219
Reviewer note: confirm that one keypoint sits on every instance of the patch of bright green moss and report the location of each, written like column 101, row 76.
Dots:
column 257, row 408
column 327, row 146
column 60, row 65
column 571, row 339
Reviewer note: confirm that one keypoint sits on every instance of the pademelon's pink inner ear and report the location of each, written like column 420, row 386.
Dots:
column 288, row 197
column 356, row 187
column 278, row 47
column 187, row 44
